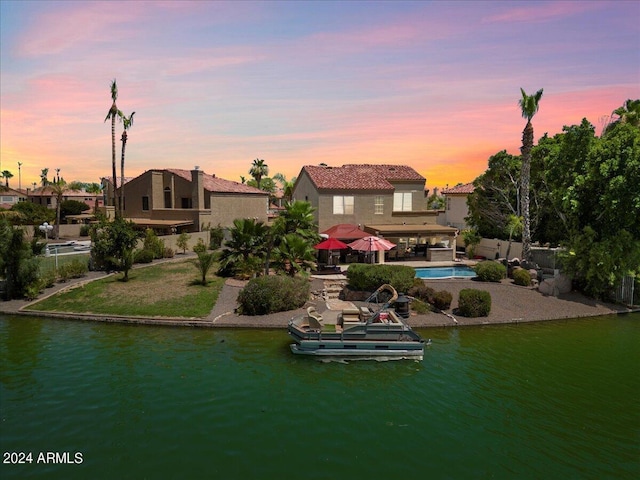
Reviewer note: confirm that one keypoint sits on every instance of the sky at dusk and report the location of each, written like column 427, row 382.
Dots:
column 433, row 85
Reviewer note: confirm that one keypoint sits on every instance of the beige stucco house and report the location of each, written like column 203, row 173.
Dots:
column 10, row 196
column 182, row 200
column 456, row 209
column 385, row 200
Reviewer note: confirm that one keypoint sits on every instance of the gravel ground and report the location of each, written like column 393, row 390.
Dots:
column 510, row 304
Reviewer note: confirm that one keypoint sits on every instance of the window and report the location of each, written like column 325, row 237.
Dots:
column 448, row 203
column 145, row 203
column 402, row 201
column 342, row 205
column 167, row 197
column 185, row 202
column 379, row 205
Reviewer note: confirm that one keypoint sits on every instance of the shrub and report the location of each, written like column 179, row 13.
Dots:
column 143, row 256
column 216, row 237
column 442, row 300
column 153, row 243
column 48, row 278
column 369, row 277
column 73, row 269
column 273, row 293
column 168, row 253
column 183, row 241
column 419, row 306
column 200, row 246
column 474, row 303
column 490, row 271
column 522, row 277
column 422, row 292
column 84, row 230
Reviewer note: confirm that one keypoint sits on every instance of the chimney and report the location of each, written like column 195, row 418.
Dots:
column 197, row 189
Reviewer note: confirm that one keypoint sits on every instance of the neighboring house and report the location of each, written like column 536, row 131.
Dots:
column 456, row 209
column 175, row 199
column 45, row 196
column 384, row 200
column 9, row 197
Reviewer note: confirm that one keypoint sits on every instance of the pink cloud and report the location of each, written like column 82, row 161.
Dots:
column 541, row 12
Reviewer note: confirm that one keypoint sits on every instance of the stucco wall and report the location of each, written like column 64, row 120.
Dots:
column 225, row 208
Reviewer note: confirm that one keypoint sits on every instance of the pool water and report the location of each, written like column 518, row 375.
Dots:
column 456, row 271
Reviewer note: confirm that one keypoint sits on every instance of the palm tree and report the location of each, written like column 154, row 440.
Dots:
column 298, row 218
column 529, row 105
column 294, row 254
column 287, row 185
column 204, row 263
column 6, row 174
column 258, row 170
column 112, row 115
column 58, row 187
column 627, row 113
column 513, row 228
column 43, row 177
column 94, row 188
column 127, row 123
column 245, row 245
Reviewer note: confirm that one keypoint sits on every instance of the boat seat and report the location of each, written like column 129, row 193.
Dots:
column 313, row 313
column 314, row 323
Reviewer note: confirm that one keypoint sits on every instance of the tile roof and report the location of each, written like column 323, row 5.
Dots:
column 360, row 177
column 465, row 189
column 218, row 185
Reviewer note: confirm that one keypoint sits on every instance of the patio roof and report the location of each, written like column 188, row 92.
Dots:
column 423, row 230
column 147, row 222
column 345, row 231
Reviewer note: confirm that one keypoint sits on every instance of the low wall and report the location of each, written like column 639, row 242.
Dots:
column 440, row 254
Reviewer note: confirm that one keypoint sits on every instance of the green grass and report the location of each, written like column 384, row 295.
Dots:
column 164, row 290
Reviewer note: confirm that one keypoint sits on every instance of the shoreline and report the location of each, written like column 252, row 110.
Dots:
column 511, row 304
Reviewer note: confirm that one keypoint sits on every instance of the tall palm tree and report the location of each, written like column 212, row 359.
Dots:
column 58, row 187
column 127, row 123
column 44, row 181
column 112, row 115
column 287, row 185
column 6, row 174
column 627, row 113
column 529, row 105
column 258, row 170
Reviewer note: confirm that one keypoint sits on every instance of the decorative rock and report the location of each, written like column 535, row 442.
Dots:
column 555, row 286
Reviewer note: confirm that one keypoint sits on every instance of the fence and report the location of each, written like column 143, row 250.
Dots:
column 625, row 290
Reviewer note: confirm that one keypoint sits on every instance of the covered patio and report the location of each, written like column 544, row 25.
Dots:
column 430, row 242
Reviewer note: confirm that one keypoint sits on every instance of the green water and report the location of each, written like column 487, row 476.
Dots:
column 546, row 400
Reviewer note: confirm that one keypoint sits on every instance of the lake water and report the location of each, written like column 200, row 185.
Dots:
column 527, row 401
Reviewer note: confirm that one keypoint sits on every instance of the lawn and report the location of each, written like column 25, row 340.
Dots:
column 164, row 290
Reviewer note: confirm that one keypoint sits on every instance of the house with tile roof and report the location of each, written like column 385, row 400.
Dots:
column 10, row 196
column 456, row 209
column 47, row 197
column 174, row 200
column 383, row 200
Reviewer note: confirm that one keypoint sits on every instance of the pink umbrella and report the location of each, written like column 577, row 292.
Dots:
column 372, row 244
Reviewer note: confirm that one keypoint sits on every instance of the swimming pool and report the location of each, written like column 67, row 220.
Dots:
column 456, row 271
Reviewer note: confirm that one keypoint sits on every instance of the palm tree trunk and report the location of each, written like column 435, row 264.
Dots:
column 124, row 145
column 113, row 160
column 525, row 179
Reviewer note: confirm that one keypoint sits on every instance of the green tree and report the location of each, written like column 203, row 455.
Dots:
column 286, row 185
column 127, row 123
column 294, row 254
column 627, row 113
column 6, row 174
column 18, row 266
column 266, row 184
column 258, row 170
column 496, row 195
column 76, row 186
column 113, row 245
column 298, row 217
column 44, row 181
column 529, row 105
column 514, row 228
column 72, row 207
column 33, row 214
column 245, row 246
column 112, row 115
column 204, row 263
column 183, row 241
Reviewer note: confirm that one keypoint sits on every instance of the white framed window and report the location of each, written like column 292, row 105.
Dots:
column 342, row 205
column 378, row 205
column 402, row 201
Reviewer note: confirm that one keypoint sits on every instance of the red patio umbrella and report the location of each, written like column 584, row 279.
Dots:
column 331, row 244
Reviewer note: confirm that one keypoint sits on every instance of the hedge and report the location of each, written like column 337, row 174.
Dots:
column 271, row 294
column 369, row 278
column 490, row 271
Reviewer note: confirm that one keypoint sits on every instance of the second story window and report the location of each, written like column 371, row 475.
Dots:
column 379, row 205
column 342, row 205
column 145, row 203
column 402, row 201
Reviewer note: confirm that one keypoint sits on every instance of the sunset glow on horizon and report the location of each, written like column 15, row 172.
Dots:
column 433, row 85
